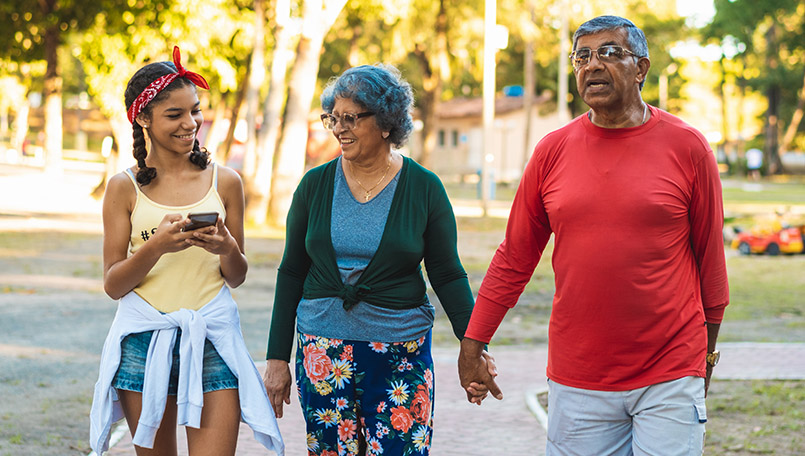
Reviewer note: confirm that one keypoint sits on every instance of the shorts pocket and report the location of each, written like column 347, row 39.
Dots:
column 701, row 410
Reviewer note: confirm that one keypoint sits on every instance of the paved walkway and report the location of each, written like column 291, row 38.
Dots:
column 460, row 428
column 511, row 426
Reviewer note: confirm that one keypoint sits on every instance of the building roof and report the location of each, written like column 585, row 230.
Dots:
column 473, row 107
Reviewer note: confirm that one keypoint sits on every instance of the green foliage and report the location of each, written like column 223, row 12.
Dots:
column 744, row 29
column 141, row 31
column 24, row 23
column 392, row 31
column 742, row 18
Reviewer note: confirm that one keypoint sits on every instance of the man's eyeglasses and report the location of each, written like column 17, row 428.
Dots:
column 608, row 53
column 347, row 120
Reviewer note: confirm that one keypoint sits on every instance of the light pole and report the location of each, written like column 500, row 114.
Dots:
column 564, row 51
column 495, row 37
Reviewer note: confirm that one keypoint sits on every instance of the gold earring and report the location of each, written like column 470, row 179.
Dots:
column 385, row 134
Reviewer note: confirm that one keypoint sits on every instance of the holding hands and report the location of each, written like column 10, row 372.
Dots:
column 477, row 371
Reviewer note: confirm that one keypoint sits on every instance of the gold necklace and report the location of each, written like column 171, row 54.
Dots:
column 368, row 192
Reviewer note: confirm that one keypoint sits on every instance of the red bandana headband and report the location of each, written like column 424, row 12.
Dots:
column 158, row 85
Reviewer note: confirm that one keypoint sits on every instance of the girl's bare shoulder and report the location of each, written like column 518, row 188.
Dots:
column 120, row 182
column 229, row 179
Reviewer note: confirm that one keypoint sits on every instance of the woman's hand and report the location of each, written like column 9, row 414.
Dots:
column 277, row 380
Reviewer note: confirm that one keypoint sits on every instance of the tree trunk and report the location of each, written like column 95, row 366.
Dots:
column 257, row 72
column 354, row 54
column 741, row 107
column 4, row 120
column 226, row 146
column 435, row 68
column 290, row 162
column 257, row 76
column 257, row 209
column 122, row 153
column 122, row 132
column 791, row 131
column 108, row 150
column 53, row 97
column 722, row 146
column 427, row 107
column 20, row 126
column 771, row 147
column 217, row 132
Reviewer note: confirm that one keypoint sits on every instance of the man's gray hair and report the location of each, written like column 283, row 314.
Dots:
column 635, row 37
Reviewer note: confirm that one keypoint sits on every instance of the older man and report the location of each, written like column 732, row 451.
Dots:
column 633, row 198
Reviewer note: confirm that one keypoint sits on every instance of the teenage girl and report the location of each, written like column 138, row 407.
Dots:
column 175, row 353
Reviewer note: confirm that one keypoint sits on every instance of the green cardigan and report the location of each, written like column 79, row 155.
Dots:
column 420, row 225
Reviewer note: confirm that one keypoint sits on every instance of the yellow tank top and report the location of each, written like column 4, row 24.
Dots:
column 179, row 280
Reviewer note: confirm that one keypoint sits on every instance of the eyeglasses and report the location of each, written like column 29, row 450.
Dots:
column 608, row 53
column 347, row 120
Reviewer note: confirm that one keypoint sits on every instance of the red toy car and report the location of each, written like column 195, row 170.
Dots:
column 785, row 240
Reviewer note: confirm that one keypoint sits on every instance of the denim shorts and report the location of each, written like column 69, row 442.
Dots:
column 215, row 374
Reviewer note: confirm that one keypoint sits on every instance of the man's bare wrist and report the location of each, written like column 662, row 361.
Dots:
column 472, row 346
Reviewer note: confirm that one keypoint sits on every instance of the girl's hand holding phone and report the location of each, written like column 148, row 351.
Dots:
column 169, row 236
column 214, row 239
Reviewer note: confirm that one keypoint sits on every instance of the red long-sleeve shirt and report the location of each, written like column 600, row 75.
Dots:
column 637, row 216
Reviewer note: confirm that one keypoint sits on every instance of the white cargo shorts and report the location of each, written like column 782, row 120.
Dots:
column 666, row 419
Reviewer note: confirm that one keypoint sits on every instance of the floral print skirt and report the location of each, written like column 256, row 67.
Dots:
column 372, row 395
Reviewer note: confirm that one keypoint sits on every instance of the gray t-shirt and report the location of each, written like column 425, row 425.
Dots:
column 356, row 229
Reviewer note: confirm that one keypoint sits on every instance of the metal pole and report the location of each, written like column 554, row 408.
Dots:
column 564, row 51
column 487, row 156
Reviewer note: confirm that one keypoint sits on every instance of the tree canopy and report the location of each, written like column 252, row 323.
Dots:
column 96, row 45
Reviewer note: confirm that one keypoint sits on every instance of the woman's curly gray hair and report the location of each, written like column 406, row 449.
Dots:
column 380, row 89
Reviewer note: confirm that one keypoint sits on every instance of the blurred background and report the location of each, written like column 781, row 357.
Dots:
column 732, row 68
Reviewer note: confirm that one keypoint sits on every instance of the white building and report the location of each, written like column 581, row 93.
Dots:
column 459, row 136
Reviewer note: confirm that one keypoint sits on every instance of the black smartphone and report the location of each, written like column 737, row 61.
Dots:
column 200, row 220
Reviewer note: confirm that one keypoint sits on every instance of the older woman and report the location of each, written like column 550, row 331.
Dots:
column 358, row 229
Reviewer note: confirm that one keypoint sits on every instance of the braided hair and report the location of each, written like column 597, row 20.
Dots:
column 141, row 79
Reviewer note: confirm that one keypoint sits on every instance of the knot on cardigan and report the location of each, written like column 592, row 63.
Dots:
column 352, row 295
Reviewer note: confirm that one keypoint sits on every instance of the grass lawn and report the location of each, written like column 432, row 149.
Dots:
column 756, row 417
column 766, row 192
column 767, row 299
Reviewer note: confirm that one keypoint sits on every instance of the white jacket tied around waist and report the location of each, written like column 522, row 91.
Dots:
column 217, row 321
